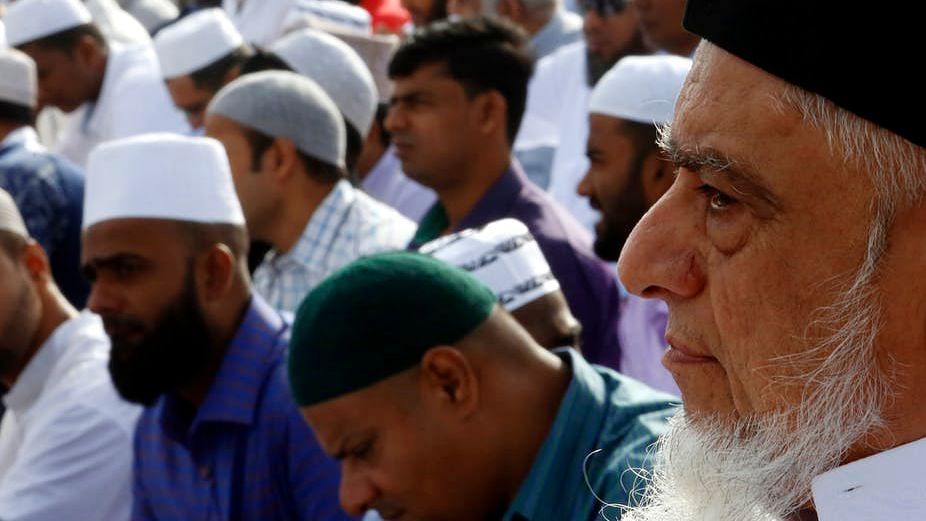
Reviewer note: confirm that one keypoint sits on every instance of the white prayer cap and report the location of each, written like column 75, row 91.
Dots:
column 376, row 50
column 10, row 218
column 160, row 176
column 642, row 89
column 18, row 84
column 196, row 41
column 30, row 20
column 2, row 35
column 337, row 68
column 286, row 105
column 504, row 256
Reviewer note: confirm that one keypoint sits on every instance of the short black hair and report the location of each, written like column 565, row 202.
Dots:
column 262, row 60
column 482, row 53
column 212, row 76
column 67, row 39
column 317, row 169
column 643, row 135
column 15, row 113
column 385, row 138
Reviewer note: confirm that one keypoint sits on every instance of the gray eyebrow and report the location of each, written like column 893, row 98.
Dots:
column 701, row 159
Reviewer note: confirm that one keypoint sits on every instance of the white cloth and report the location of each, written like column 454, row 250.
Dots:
column 557, row 116
column 259, row 21
column 133, row 100
column 888, row 485
column 66, row 436
column 3, row 43
column 151, row 14
column 348, row 225
column 161, row 176
column 117, row 25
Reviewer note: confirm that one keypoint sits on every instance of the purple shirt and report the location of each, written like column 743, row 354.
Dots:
column 642, row 331
column 589, row 285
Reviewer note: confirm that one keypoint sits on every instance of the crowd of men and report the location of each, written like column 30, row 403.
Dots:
column 519, row 260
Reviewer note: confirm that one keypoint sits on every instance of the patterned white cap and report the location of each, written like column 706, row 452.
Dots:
column 326, row 14
column 336, row 68
column 18, row 84
column 30, row 20
column 160, row 176
column 642, row 89
column 10, row 218
column 196, row 41
column 504, row 256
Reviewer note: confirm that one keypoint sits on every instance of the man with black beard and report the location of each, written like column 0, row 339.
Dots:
column 165, row 248
column 627, row 175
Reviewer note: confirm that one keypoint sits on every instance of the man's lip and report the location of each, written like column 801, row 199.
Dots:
column 391, row 515
column 681, row 353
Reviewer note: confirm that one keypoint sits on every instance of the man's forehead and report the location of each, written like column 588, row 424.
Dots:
column 137, row 233
column 426, row 77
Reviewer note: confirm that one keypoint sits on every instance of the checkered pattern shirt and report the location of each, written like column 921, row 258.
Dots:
column 346, row 226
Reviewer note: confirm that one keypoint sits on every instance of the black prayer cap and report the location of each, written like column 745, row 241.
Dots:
column 863, row 56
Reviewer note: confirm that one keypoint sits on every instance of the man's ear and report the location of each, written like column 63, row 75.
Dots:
column 36, row 262
column 492, row 111
column 216, row 273
column 87, row 51
column 657, row 176
column 279, row 161
column 448, row 378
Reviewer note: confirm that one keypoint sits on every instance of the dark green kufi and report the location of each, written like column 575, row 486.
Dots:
column 375, row 318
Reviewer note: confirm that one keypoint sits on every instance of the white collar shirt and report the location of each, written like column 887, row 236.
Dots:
column 66, row 436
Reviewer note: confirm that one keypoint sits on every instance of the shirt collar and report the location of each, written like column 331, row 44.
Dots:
column 24, row 136
column 92, row 116
column 571, row 440
column 233, row 396
column 888, row 485
column 32, row 380
column 320, row 231
column 495, row 204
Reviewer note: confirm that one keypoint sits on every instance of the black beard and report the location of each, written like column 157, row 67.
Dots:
column 167, row 357
column 623, row 216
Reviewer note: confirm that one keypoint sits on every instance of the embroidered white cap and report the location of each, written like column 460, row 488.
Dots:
column 30, row 20
column 642, row 89
column 195, row 41
column 18, row 83
column 160, row 176
column 504, row 256
column 10, row 218
column 336, row 68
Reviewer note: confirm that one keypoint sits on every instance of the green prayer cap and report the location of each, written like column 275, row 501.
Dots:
column 375, row 318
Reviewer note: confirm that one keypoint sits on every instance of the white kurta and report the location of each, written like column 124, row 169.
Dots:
column 133, row 100
column 557, row 116
column 888, row 485
column 66, row 436
column 259, row 21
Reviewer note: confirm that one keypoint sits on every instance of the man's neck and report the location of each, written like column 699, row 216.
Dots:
column 459, row 199
column 296, row 213
column 8, row 128
column 534, row 25
column 55, row 311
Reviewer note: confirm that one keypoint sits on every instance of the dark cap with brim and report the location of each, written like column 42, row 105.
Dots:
column 863, row 57
column 375, row 318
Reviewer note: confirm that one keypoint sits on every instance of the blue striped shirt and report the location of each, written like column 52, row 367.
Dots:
column 246, row 453
column 600, row 410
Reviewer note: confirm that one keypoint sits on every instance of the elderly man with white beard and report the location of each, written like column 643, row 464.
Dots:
column 789, row 250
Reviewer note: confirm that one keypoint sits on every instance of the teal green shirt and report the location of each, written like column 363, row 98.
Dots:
column 601, row 410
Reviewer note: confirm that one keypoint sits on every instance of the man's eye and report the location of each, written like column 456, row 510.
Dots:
column 717, row 201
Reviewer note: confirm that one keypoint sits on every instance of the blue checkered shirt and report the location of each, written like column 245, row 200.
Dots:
column 346, row 226
column 246, row 454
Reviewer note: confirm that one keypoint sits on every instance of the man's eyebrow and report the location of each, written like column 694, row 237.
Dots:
column 738, row 173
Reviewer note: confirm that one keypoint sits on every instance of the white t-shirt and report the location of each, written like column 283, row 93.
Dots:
column 66, row 436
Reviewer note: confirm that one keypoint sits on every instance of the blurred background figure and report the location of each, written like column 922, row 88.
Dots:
column 551, row 141
column 97, row 83
column 661, row 25
column 48, row 190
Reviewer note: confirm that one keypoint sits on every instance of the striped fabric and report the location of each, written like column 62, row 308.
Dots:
column 346, row 226
column 601, row 410
column 246, row 453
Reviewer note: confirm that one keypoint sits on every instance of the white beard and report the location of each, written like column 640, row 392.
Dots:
column 761, row 467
